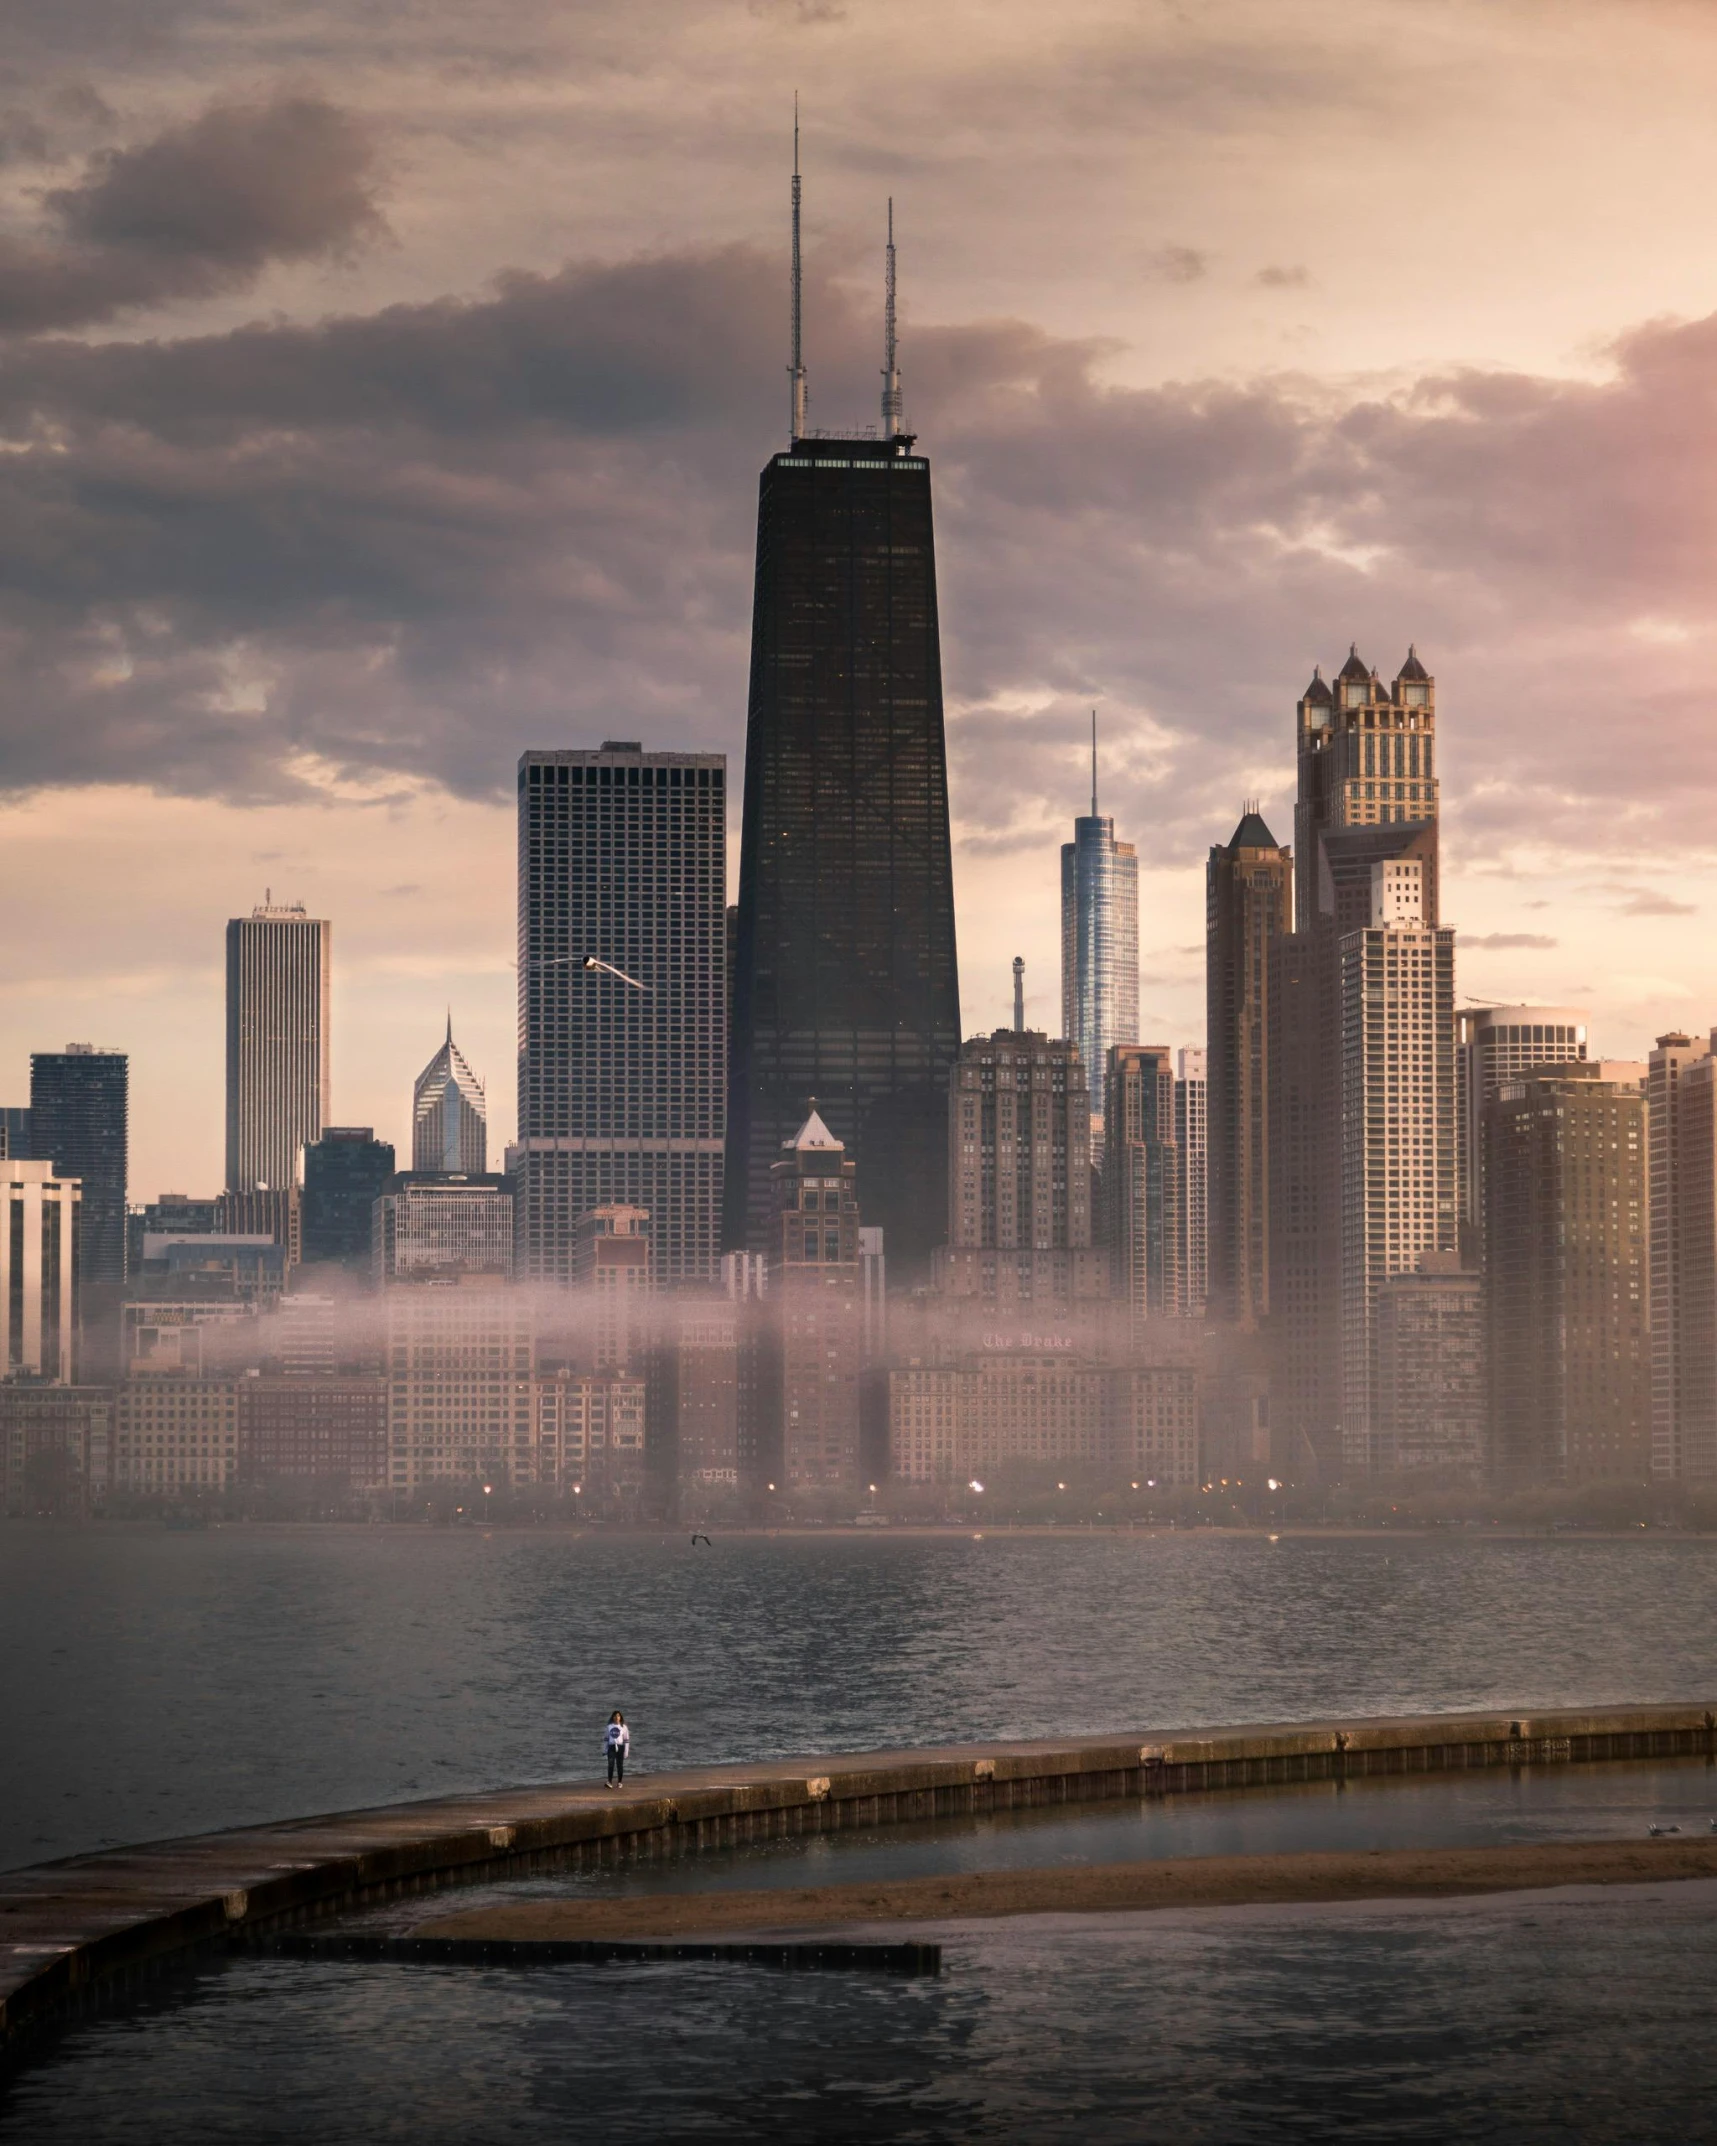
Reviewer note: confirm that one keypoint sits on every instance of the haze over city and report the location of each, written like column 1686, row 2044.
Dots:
column 430, row 432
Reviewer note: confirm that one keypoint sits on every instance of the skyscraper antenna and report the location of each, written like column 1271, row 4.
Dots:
column 1019, row 994
column 797, row 368
column 1093, row 763
column 891, row 421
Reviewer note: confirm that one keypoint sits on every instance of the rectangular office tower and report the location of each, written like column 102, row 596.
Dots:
column 79, row 1114
column 622, row 996
column 279, row 1031
column 845, row 986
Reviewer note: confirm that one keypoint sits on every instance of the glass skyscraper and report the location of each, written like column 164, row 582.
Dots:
column 79, row 1119
column 622, row 1077
column 845, row 986
column 1099, row 947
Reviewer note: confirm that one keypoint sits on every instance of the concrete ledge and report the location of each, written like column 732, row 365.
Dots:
column 68, row 1927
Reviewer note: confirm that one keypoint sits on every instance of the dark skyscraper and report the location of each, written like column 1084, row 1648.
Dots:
column 344, row 1173
column 845, row 985
column 1248, row 884
column 79, row 1115
column 622, row 1067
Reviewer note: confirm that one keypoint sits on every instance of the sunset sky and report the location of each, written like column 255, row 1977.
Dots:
column 383, row 389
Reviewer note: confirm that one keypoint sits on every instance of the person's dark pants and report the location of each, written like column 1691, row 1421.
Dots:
column 616, row 1764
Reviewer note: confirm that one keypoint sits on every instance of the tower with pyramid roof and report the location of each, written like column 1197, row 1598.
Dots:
column 449, row 1114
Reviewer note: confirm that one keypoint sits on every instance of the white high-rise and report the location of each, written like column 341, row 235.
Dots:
column 38, row 1272
column 279, row 990
column 1397, row 996
column 1494, row 1044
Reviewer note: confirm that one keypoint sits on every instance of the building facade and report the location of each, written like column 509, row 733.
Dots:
column 79, row 1122
column 279, row 1041
column 1192, row 1141
column 1368, row 792
column 449, row 1114
column 1144, row 1225
column 1682, row 1208
column 1493, row 1045
column 1019, row 1173
column 313, row 1428
column 1019, row 1411
column 173, row 1436
column 55, row 1445
column 40, row 1290
column 845, row 984
column 1248, row 890
column 1566, row 1276
column 460, row 1365
column 1397, row 1128
column 431, row 1226
column 612, row 1277
column 814, row 1359
column 622, row 1083
column 345, row 1173
column 1099, row 947
column 1430, row 1403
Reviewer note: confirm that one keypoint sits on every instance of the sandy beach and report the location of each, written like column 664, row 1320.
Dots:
column 1197, row 1882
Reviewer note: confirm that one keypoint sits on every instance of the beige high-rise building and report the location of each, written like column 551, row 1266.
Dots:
column 1566, row 1265
column 1430, row 1391
column 1192, row 1140
column 612, row 1283
column 279, row 1001
column 1019, row 1173
column 1681, row 1087
column 1367, row 795
column 1397, row 1005
column 435, row 1225
column 39, row 1224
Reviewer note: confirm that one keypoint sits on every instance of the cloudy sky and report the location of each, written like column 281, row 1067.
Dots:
column 383, row 387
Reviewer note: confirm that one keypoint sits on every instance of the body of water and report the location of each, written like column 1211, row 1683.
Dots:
column 158, row 1683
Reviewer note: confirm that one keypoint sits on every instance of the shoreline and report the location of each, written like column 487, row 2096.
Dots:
column 943, row 1530
column 1315, row 1879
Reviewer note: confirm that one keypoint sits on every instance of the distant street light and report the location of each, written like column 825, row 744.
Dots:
column 974, row 1486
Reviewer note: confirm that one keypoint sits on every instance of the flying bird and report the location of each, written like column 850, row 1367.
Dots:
column 594, row 961
column 696, row 1539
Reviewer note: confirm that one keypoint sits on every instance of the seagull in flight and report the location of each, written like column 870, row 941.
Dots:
column 590, row 962
column 696, row 1539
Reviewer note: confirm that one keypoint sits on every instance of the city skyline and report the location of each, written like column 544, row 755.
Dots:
column 1167, row 523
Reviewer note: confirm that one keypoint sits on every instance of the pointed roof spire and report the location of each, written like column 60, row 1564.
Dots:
column 796, row 369
column 891, row 419
column 1355, row 666
column 1093, row 763
column 1317, row 692
column 1413, row 670
column 1252, row 832
column 813, row 1133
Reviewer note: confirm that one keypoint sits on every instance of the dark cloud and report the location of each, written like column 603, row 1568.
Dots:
column 1178, row 264
column 1501, row 941
column 1276, row 278
column 202, row 209
column 402, row 546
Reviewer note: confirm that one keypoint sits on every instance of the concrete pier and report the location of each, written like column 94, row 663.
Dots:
column 66, row 1928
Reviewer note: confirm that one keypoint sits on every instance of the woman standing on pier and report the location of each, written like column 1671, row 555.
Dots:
column 617, row 1741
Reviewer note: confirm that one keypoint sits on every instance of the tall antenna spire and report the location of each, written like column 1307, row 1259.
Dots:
column 1093, row 763
column 797, row 368
column 891, row 424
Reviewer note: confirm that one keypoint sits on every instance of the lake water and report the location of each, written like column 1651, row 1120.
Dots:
column 155, row 1683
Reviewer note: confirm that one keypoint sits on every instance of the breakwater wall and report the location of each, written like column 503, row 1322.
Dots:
column 69, row 1928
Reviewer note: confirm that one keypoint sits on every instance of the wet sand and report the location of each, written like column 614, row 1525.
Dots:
column 1194, row 1882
